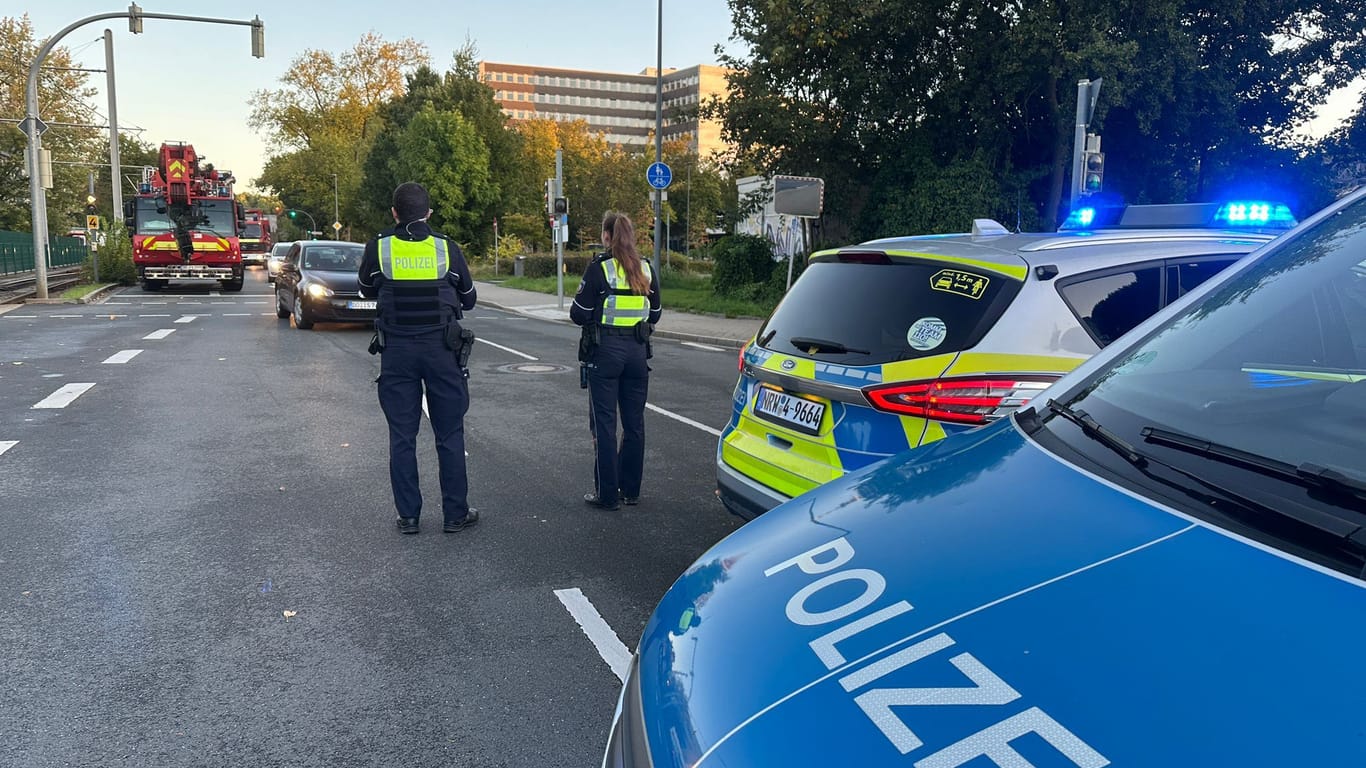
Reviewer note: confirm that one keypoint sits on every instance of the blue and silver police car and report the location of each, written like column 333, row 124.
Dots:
column 891, row 344
column 1157, row 562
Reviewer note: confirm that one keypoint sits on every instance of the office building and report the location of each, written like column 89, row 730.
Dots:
column 620, row 106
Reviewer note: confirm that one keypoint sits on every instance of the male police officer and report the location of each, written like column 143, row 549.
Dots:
column 423, row 284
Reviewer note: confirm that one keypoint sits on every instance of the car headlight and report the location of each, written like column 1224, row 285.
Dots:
column 319, row 291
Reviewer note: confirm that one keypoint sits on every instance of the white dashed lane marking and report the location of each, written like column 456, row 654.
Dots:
column 505, row 349
column 187, row 318
column 704, row 347
column 609, row 646
column 158, row 335
column 122, row 357
column 684, row 419
column 64, row 396
column 5, row 445
column 153, row 315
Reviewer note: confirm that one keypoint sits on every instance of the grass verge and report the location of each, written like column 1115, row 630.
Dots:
column 81, row 290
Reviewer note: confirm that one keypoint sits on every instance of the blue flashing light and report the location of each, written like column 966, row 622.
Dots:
column 1080, row 218
column 1255, row 213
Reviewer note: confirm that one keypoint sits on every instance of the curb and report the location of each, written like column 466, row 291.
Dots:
column 98, row 295
column 664, row 334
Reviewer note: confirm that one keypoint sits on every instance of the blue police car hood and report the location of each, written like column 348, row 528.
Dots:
column 980, row 602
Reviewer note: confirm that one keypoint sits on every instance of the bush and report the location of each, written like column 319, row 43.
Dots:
column 740, row 261
column 543, row 264
column 116, row 258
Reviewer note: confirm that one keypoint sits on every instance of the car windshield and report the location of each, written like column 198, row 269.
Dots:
column 333, row 258
column 251, row 230
column 1271, row 362
column 878, row 311
column 279, row 250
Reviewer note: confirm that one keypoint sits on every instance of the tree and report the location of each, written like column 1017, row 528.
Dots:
column 446, row 151
column 459, row 90
column 904, row 96
column 322, row 121
column 64, row 97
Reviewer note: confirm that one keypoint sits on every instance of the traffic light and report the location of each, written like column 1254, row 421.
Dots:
column 1093, row 172
column 293, row 214
column 90, row 209
column 561, row 206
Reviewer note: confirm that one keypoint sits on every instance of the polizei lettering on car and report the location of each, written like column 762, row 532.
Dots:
column 887, row 706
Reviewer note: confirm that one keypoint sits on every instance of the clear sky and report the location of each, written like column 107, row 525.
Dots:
column 185, row 81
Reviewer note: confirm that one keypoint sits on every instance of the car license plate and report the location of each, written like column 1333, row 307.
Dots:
column 360, row 305
column 796, row 412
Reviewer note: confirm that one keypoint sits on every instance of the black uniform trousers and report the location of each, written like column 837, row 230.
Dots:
column 618, row 381
column 406, row 365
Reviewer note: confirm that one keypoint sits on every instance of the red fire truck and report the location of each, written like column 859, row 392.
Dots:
column 185, row 223
column 257, row 237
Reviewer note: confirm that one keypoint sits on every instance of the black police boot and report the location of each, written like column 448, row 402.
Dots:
column 453, row 526
column 592, row 500
column 406, row 524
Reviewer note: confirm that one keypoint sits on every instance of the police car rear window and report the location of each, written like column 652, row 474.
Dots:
column 873, row 313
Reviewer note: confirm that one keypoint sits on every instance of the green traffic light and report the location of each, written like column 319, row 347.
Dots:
column 293, row 214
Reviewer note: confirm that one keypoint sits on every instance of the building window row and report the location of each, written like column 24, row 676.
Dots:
column 576, row 101
column 585, row 83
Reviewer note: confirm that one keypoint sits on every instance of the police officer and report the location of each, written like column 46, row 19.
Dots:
column 619, row 295
column 423, row 285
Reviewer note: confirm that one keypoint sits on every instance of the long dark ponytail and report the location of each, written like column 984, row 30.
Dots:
column 621, row 244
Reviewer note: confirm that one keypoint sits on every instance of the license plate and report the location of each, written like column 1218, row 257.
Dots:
column 360, row 305
column 798, row 413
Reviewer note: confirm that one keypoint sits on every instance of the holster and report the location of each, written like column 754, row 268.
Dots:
column 589, row 338
column 643, row 333
column 460, row 341
column 377, row 342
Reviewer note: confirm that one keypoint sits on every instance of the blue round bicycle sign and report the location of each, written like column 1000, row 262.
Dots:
column 659, row 175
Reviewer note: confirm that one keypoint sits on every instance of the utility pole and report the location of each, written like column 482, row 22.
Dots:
column 115, row 175
column 559, row 226
column 659, row 120
column 495, row 246
column 687, row 212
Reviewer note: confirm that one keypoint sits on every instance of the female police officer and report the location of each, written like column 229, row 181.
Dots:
column 619, row 294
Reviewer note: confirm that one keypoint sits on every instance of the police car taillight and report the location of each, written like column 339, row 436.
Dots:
column 974, row 401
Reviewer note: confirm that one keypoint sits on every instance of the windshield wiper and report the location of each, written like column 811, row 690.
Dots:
column 1092, row 429
column 821, row 345
column 1305, row 474
column 1345, row 533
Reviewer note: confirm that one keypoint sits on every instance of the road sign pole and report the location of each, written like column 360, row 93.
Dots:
column 659, row 118
column 115, row 174
column 556, row 226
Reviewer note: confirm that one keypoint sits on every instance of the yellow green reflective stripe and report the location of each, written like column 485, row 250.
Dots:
column 1017, row 271
column 993, row 362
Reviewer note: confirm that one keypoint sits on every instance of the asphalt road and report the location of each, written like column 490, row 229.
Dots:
column 200, row 566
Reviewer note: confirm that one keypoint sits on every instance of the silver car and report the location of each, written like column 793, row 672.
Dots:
column 277, row 255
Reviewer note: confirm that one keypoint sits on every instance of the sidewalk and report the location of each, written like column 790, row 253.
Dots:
column 683, row 326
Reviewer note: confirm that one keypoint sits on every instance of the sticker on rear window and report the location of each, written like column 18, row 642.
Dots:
column 959, row 282
column 926, row 334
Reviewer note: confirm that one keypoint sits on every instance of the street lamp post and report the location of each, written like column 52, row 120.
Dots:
column 35, row 127
column 336, row 215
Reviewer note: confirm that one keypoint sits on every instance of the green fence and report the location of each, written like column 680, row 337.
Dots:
column 16, row 252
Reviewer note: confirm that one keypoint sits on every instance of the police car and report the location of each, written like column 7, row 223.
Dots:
column 1157, row 562
column 894, row 343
